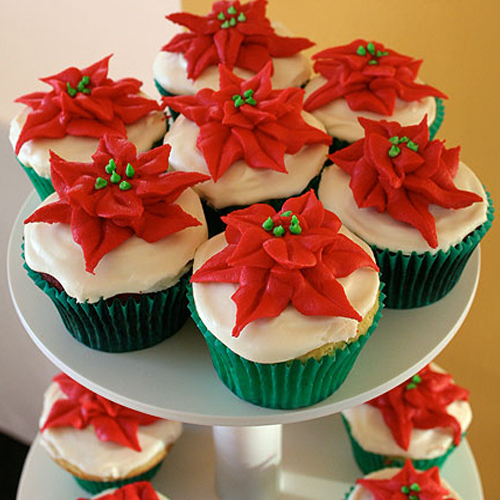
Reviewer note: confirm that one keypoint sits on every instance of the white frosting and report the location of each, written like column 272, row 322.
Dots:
column 170, row 71
column 291, row 334
column 106, row 460
column 107, row 492
column 240, row 184
column 134, row 267
column 360, row 493
column 380, row 229
column 35, row 153
column 342, row 122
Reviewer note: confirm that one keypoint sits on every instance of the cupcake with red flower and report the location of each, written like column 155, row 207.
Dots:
column 135, row 491
column 102, row 444
column 255, row 142
column 236, row 35
column 289, row 296
column 421, row 209
column 402, row 484
column 113, row 246
column 369, row 80
column 423, row 419
column 83, row 105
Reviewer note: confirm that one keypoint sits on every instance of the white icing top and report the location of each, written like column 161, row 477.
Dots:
column 342, row 122
column 35, row 152
column 241, row 184
column 134, row 267
column 291, row 334
column 360, row 493
column 380, row 229
column 107, row 492
column 106, row 460
column 170, row 71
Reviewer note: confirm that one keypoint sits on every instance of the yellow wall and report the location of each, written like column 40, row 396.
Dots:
column 459, row 42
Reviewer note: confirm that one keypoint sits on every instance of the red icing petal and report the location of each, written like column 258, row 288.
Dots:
column 134, row 491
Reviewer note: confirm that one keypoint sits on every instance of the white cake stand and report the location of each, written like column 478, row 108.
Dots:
column 176, row 379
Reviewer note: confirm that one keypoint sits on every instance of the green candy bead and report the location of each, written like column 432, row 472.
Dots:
column 251, row 101
column 286, row 214
column 248, row 93
column 239, row 101
column 411, row 386
column 100, row 183
column 115, row 178
column 268, row 224
column 242, row 18
column 129, row 171
column 110, row 167
column 86, row 80
column 231, row 10
column 279, row 231
column 404, row 139
column 413, row 497
column 361, row 51
column 417, row 379
column 394, row 151
column 221, row 16
column 295, row 229
column 125, row 186
column 394, row 140
column 225, row 25
column 71, row 91
column 371, row 48
column 372, row 62
column 232, row 22
column 415, row 487
column 412, row 145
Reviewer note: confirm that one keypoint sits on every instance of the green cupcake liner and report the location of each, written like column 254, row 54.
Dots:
column 417, row 280
column 42, row 185
column 351, row 489
column 112, row 326
column 370, row 462
column 95, row 487
column 438, row 120
column 285, row 385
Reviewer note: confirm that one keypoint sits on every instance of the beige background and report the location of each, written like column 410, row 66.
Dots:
column 459, row 42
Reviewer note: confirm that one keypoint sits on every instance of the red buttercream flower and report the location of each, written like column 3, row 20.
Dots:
column 134, row 491
column 408, row 484
column 248, row 120
column 293, row 256
column 397, row 170
column 421, row 403
column 368, row 76
column 116, row 196
column 84, row 103
column 233, row 34
column 111, row 421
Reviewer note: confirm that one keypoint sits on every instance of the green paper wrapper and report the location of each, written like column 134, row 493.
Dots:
column 346, row 496
column 112, row 326
column 42, row 185
column 370, row 462
column 438, row 120
column 95, row 487
column 418, row 280
column 286, row 385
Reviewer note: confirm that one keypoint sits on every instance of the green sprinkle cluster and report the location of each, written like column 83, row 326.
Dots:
column 231, row 19
column 415, row 380
column 81, row 87
column 370, row 49
column 115, row 177
column 411, row 490
column 279, row 230
column 247, row 98
column 395, row 141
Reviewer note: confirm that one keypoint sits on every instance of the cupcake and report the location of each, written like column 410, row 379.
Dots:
column 82, row 106
column 134, row 491
column 366, row 79
column 255, row 142
column 405, row 484
column 422, row 420
column 240, row 37
column 285, row 301
column 102, row 444
column 113, row 246
column 414, row 202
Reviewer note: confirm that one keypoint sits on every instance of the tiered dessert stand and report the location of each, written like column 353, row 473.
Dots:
column 248, row 454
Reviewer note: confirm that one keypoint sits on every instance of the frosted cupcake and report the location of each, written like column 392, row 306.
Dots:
column 113, row 247
column 135, row 491
column 405, row 484
column 421, row 209
column 366, row 79
column 83, row 105
column 238, row 36
column 102, row 444
column 285, row 301
column 422, row 419
column 255, row 142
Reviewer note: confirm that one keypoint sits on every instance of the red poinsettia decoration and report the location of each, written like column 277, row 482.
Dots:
column 233, row 34
column 84, row 102
column 248, row 120
column 116, row 196
column 369, row 76
column 133, row 491
column 397, row 170
column 294, row 256
column 421, row 403
column 408, row 484
column 82, row 407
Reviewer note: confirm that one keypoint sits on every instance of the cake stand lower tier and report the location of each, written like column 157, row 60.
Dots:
column 317, row 464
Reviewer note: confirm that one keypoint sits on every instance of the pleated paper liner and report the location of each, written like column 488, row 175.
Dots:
column 112, row 326
column 417, row 280
column 285, row 385
column 95, row 487
column 371, row 462
column 42, row 185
